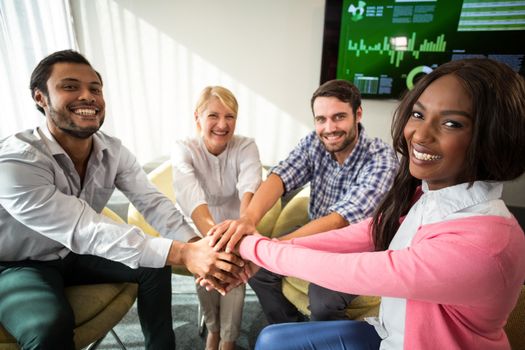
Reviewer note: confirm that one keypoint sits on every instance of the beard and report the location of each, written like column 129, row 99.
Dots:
column 65, row 124
column 348, row 141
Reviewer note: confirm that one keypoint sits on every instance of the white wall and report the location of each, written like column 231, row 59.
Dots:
column 156, row 56
column 162, row 53
column 267, row 52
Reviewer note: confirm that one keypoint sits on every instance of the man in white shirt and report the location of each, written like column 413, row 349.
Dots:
column 54, row 182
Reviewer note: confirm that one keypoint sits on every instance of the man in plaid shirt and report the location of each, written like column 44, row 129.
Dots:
column 348, row 174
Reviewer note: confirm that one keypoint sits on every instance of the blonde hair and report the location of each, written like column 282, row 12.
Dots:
column 224, row 95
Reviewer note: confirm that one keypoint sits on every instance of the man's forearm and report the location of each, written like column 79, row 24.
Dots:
column 175, row 254
column 326, row 223
column 264, row 198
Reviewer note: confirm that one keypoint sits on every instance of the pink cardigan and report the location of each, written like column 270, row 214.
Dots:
column 461, row 278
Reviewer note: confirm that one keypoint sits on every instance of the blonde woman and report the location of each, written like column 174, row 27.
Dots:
column 215, row 175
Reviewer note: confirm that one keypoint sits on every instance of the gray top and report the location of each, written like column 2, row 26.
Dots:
column 45, row 211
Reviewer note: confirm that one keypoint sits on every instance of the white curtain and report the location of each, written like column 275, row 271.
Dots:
column 29, row 30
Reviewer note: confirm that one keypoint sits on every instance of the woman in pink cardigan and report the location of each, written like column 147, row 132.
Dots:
column 442, row 249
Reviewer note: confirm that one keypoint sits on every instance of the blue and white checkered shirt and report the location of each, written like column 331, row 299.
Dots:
column 352, row 189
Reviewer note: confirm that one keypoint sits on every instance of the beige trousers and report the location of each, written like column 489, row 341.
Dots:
column 223, row 313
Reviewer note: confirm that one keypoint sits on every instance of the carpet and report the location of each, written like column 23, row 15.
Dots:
column 184, row 310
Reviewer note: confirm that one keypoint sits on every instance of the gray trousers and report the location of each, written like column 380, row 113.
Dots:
column 325, row 304
column 34, row 308
column 223, row 313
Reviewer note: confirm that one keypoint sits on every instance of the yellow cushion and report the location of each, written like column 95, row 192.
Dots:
column 90, row 300
column 97, row 326
column 267, row 223
column 296, row 290
column 161, row 177
column 293, row 215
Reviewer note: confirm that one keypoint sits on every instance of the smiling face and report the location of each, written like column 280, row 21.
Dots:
column 438, row 133
column 336, row 126
column 74, row 104
column 216, row 123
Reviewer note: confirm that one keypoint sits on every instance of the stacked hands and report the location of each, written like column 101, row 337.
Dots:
column 215, row 259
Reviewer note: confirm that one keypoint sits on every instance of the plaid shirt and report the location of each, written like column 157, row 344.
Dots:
column 353, row 189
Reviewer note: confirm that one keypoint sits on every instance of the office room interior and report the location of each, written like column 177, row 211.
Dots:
column 155, row 57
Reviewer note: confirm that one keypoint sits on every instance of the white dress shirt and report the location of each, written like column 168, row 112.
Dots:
column 46, row 212
column 199, row 177
column 449, row 203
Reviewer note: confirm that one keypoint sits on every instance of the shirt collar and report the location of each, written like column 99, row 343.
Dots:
column 221, row 156
column 52, row 144
column 455, row 198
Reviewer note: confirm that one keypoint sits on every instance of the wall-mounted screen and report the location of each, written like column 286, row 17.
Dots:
column 384, row 46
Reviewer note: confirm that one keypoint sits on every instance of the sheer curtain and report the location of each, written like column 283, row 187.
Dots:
column 29, row 30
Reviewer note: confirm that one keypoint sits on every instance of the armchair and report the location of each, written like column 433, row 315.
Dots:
column 97, row 307
column 293, row 215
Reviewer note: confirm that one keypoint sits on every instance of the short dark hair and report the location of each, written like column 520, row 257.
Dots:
column 42, row 71
column 343, row 90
